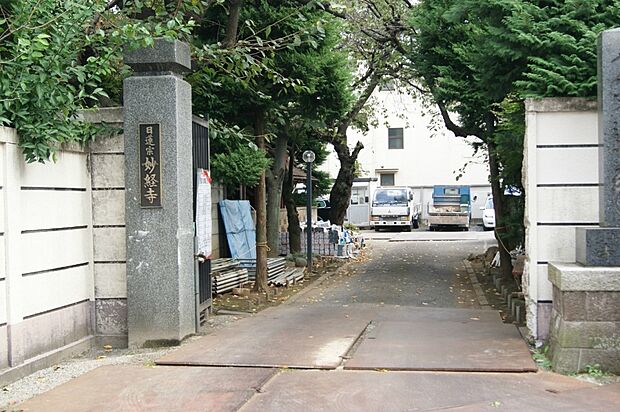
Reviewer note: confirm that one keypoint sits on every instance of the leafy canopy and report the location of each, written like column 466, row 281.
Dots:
column 302, row 82
column 56, row 57
column 480, row 58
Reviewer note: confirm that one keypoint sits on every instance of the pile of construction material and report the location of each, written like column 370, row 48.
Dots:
column 324, row 242
column 227, row 274
column 289, row 277
column 275, row 268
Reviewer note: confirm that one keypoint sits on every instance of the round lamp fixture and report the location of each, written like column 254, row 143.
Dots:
column 308, row 156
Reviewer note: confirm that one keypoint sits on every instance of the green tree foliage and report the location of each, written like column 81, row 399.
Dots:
column 42, row 83
column 480, row 59
column 56, row 58
column 375, row 36
column 560, row 38
column 303, row 85
column 242, row 166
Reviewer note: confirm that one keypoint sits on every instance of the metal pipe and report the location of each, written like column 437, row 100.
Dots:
column 309, row 214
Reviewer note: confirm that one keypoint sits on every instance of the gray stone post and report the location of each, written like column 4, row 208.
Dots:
column 601, row 246
column 158, row 201
column 585, row 320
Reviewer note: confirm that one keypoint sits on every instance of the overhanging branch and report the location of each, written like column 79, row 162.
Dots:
column 453, row 127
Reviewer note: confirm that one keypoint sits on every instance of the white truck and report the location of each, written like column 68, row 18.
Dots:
column 394, row 207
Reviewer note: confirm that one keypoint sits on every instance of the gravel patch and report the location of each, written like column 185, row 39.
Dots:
column 49, row 378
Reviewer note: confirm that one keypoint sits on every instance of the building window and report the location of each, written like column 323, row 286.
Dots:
column 387, row 179
column 359, row 196
column 395, row 138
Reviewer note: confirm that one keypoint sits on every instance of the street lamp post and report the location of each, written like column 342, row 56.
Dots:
column 308, row 157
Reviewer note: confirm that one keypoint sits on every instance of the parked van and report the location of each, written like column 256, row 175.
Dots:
column 488, row 214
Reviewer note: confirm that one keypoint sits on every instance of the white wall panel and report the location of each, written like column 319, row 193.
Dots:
column 2, row 154
column 108, row 144
column 2, row 260
column 48, row 209
column 3, row 318
column 2, row 216
column 109, row 244
column 55, row 289
column 108, row 170
column 49, row 250
column 110, row 280
column 567, row 165
column 108, row 207
column 568, row 204
column 565, row 128
column 545, row 288
column 69, row 171
column 556, row 243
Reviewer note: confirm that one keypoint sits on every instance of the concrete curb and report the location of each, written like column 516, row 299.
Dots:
column 475, row 284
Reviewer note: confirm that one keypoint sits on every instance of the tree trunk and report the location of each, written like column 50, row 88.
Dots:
column 275, row 177
column 340, row 195
column 294, row 230
column 498, row 203
column 232, row 24
column 260, row 284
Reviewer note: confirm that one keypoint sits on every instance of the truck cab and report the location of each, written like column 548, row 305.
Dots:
column 394, row 207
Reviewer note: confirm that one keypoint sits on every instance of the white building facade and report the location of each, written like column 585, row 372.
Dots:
column 409, row 146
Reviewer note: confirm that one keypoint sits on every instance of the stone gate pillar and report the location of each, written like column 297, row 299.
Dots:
column 585, row 325
column 158, row 202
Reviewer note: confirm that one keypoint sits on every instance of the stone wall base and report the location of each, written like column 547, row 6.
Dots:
column 10, row 375
column 575, row 345
column 543, row 319
column 585, row 320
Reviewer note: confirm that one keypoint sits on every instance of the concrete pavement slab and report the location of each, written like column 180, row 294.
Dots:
column 471, row 345
column 439, row 236
column 598, row 399
column 400, row 391
column 377, row 312
column 314, row 336
column 403, row 338
column 134, row 388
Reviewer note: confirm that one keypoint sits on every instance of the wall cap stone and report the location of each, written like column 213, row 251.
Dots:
column 102, row 115
column 575, row 277
column 8, row 135
column 561, row 104
column 165, row 55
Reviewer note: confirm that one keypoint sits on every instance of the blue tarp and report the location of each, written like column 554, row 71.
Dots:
column 240, row 232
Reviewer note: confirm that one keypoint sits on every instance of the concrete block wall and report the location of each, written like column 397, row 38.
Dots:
column 107, row 169
column 63, row 282
column 560, row 176
column 46, row 260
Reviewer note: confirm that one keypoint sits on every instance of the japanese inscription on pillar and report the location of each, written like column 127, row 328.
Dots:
column 150, row 166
